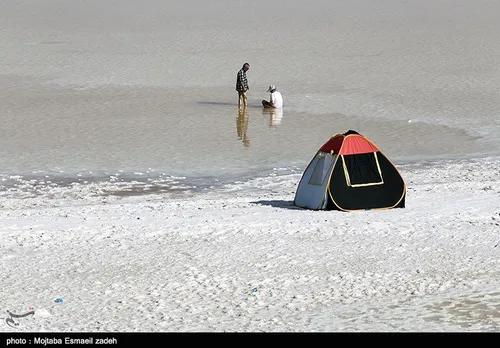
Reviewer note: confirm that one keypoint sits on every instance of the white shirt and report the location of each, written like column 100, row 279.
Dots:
column 277, row 99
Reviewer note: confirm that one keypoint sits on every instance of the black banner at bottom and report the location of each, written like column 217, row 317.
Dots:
column 114, row 339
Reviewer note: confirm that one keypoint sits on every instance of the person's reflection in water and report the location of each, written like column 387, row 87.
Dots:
column 275, row 116
column 242, row 126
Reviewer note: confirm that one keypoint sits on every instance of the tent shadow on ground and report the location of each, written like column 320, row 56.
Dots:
column 279, row 204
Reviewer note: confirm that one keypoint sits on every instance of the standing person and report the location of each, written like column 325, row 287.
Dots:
column 275, row 98
column 242, row 85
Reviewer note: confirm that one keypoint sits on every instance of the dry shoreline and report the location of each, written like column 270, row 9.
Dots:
column 247, row 260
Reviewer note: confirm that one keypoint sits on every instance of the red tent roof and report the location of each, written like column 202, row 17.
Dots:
column 350, row 144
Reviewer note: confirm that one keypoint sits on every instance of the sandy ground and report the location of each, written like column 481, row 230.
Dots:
column 245, row 259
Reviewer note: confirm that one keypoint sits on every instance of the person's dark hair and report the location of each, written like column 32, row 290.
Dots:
column 246, row 65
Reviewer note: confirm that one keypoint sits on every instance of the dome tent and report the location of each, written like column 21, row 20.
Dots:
column 349, row 173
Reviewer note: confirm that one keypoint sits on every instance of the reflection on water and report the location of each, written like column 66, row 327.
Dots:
column 275, row 116
column 242, row 126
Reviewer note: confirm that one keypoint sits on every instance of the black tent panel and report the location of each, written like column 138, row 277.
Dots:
column 356, row 183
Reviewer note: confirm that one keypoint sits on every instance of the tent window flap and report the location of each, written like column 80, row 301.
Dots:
column 362, row 170
column 322, row 169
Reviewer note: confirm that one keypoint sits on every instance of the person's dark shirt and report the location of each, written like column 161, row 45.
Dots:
column 241, row 81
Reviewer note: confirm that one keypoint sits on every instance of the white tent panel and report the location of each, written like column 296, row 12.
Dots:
column 311, row 192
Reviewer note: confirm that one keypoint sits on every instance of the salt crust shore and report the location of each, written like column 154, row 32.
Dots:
column 245, row 259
